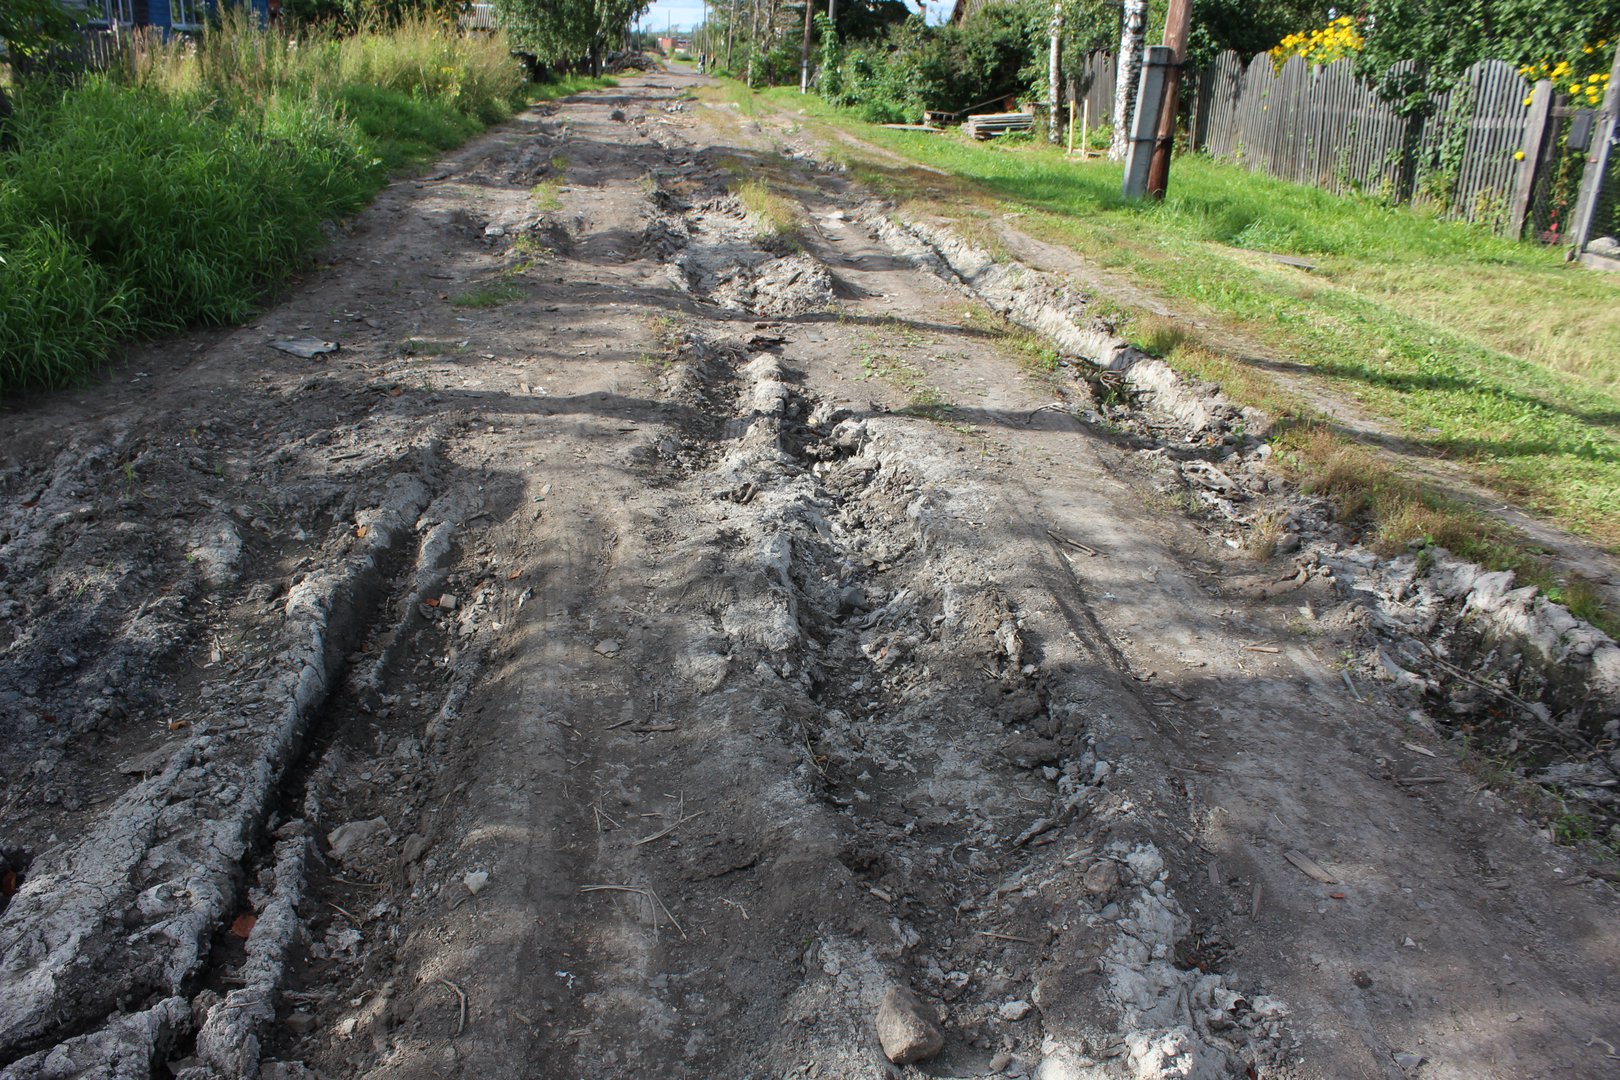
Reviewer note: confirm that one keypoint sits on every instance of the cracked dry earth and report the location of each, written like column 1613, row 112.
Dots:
column 622, row 682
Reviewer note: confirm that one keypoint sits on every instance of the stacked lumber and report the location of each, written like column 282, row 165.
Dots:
column 989, row 125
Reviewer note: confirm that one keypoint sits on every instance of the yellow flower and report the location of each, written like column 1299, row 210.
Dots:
column 1518, row 155
column 1527, row 100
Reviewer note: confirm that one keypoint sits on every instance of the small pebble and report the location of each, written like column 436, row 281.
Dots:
column 1014, row 1010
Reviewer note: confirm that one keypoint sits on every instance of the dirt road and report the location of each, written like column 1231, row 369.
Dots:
column 640, row 675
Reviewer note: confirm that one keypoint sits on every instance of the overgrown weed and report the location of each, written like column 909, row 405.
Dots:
column 225, row 158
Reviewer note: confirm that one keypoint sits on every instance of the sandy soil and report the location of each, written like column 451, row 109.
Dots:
column 643, row 675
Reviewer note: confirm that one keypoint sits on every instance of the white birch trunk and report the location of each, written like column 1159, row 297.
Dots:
column 1132, row 41
column 1053, row 75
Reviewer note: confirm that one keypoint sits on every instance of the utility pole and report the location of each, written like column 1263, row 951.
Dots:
column 1175, row 38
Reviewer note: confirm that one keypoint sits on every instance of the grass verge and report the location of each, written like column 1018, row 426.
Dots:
column 180, row 190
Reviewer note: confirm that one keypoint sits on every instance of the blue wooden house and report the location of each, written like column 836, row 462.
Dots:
column 177, row 15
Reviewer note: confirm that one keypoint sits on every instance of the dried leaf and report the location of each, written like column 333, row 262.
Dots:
column 1310, row 867
column 8, row 883
column 514, row 575
column 362, row 530
column 432, row 601
column 243, row 924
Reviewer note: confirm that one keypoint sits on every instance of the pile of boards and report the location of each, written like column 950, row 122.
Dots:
column 989, row 125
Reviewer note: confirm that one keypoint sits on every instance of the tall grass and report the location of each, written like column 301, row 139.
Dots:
column 179, row 189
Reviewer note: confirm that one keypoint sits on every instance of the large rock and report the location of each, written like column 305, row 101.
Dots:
column 906, row 1032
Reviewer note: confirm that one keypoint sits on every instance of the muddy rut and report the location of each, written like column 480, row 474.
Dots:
column 643, row 671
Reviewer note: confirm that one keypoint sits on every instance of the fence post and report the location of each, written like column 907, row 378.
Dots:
column 1597, row 161
column 1535, row 140
column 1145, row 121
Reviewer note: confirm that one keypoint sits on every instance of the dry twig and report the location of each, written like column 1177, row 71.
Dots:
column 646, row 893
column 1073, row 543
column 461, row 1000
column 681, row 818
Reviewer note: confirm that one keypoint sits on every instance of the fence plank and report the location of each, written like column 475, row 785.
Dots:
column 1323, row 126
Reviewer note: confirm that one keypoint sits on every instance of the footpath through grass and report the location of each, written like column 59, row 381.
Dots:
column 1483, row 351
column 179, row 191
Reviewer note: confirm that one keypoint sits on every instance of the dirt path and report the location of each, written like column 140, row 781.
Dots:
column 643, row 675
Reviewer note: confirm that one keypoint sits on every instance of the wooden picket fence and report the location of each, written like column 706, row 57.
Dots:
column 1093, row 86
column 1322, row 125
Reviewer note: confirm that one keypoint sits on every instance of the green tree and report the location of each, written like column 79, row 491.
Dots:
column 1249, row 27
column 568, row 31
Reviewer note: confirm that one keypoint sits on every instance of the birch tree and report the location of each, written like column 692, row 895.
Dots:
column 1132, row 42
column 1053, row 74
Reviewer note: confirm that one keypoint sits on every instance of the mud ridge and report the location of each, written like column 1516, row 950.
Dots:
column 866, row 599
column 1468, row 638
column 158, row 874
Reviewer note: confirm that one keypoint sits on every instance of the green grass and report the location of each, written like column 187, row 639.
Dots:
column 488, row 295
column 776, row 219
column 1480, row 350
column 183, row 190
column 568, row 85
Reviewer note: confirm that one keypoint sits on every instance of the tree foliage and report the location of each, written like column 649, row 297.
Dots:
column 565, row 31
column 1248, row 27
column 912, row 67
column 1443, row 38
column 29, row 27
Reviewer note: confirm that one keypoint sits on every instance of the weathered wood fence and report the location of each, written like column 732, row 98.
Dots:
column 1093, row 85
column 1486, row 152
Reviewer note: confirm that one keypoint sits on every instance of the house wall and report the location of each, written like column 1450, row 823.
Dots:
column 159, row 13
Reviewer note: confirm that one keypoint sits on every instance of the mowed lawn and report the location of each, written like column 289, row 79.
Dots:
column 1489, row 352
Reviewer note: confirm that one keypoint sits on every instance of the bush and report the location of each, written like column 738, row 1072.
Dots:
column 181, row 192
column 913, row 67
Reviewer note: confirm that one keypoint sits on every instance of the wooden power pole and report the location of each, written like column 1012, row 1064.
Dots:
column 1175, row 38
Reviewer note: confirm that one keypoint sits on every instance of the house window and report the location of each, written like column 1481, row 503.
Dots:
column 185, row 14
column 112, row 13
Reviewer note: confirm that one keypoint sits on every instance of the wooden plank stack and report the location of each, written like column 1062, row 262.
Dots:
column 989, row 125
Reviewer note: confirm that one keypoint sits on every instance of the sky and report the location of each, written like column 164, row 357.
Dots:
column 685, row 14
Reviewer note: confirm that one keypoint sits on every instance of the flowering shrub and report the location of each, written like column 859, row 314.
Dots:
column 1338, row 40
column 1583, row 79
